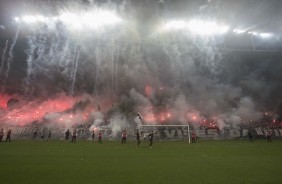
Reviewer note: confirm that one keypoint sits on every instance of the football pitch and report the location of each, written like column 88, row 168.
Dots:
column 237, row 161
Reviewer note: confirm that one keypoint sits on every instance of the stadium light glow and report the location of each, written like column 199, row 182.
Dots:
column 239, row 31
column 98, row 19
column 70, row 19
column 223, row 29
column 41, row 18
column 29, row 19
column 17, row 19
column 197, row 27
column 75, row 20
column 101, row 19
column 253, row 33
column 175, row 25
column 92, row 20
column 206, row 28
column 55, row 18
column 265, row 35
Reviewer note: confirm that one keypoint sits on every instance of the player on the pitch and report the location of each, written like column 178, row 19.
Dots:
column 67, row 134
column 93, row 135
column 49, row 135
column 193, row 137
column 100, row 137
column 138, row 137
column 151, row 137
column 250, row 135
column 74, row 134
column 1, row 134
column 8, row 137
column 42, row 134
column 34, row 134
column 268, row 136
column 123, row 137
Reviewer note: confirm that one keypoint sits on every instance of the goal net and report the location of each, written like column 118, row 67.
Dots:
column 166, row 132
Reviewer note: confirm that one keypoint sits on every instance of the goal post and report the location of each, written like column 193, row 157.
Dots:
column 167, row 132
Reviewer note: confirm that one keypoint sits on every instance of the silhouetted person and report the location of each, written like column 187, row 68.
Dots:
column 193, row 137
column 34, row 134
column 93, row 135
column 123, row 137
column 74, row 136
column 268, row 136
column 42, row 134
column 138, row 137
column 250, row 136
column 67, row 134
column 49, row 135
column 100, row 137
column 151, row 137
column 8, row 138
column 1, row 134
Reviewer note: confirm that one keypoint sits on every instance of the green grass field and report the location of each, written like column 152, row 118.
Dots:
column 167, row 162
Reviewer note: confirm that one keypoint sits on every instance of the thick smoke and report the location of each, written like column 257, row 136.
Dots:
column 118, row 123
column 2, row 27
column 133, row 72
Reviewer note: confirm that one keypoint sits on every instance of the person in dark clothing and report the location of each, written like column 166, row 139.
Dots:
column 42, row 134
column 73, row 140
column 250, row 136
column 49, row 135
column 138, row 137
column 268, row 136
column 1, row 134
column 151, row 137
column 93, row 135
column 67, row 134
column 34, row 134
column 123, row 137
column 193, row 137
column 8, row 138
column 100, row 137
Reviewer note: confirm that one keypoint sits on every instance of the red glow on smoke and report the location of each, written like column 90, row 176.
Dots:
column 148, row 91
column 33, row 111
column 57, row 110
column 3, row 100
column 150, row 118
column 154, row 118
column 193, row 116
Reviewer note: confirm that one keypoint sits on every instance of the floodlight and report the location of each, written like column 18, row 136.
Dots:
column 253, row 33
column 224, row 29
column 175, row 25
column 17, row 19
column 101, row 19
column 265, row 35
column 93, row 20
column 71, row 19
column 29, row 19
column 206, row 28
column 239, row 31
column 41, row 18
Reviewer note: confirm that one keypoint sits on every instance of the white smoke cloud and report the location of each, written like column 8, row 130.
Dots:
column 118, row 123
column 2, row 27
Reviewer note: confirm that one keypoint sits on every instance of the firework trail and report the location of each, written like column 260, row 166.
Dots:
column 3, row 59
column 98, row 63
column 30, row 58
column 11, row 53
column 75, row 64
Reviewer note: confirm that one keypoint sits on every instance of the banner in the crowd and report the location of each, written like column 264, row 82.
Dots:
column 162, row 133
